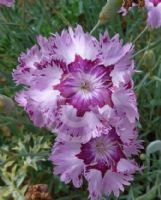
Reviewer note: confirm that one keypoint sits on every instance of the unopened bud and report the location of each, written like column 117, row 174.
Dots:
column 149, row 60
column 109, row 10
column 6, row 104
column 142, row 157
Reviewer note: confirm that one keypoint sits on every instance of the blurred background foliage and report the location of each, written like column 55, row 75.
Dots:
column 24, row 149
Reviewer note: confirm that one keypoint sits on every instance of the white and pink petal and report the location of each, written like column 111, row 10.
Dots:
column 66, row 163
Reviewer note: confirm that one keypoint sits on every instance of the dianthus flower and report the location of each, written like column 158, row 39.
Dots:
column 103, row 161
column 154, row 13
column 7, row 2
column 81, row 89
column 71, row 78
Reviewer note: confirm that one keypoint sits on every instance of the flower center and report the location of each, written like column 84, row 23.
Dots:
column 100, row 147
column 86, row 85
column 101, row 151
column 103, row 148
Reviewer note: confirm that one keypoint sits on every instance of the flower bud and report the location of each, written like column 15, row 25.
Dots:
column 6, row 104
column 142, row 156
column 109, row 10
column 149, row 60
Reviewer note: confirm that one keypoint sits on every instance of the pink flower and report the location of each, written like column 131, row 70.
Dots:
column 78, row 86
column 154, row 13
column 81, row 89
column 102, row 161
column 7, row 2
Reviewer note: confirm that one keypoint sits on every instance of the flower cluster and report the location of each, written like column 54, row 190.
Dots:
column 153, row 7
column 81, row 89
column 7, row 2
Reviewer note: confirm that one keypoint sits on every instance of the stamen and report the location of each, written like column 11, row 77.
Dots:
column 85, row 87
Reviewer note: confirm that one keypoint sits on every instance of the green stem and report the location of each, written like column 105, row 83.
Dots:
column 156, row 78
column 95, row 27
column 144, row 30
column 147, row 47
column 9, row 24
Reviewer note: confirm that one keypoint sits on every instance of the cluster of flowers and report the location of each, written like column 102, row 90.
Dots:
column 153, row 7
column 81, row 89
column 7, row 2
